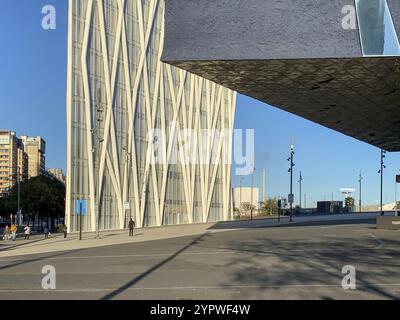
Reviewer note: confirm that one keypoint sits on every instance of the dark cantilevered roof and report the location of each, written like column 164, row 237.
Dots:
column 279, row 55
column 359, row 97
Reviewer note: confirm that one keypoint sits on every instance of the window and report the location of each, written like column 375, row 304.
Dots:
column 377, row 32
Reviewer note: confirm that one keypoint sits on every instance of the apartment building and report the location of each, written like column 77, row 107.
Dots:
column 13, row 161
column 20, row 158
column 35, row 148
column 58, row 174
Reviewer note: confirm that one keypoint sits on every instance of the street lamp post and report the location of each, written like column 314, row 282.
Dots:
column 19, row 200
column 300, row 181
column 383, row 155
column 240, row 198
column 359, row 200
column 251, row 202
column 96, row 156
column 10, row 179
column 291, row 197
column 127, row 161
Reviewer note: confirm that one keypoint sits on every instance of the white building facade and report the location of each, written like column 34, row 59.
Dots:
column 118, row 93
column 246, row 195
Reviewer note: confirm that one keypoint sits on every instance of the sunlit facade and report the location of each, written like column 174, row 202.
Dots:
column 118, row 91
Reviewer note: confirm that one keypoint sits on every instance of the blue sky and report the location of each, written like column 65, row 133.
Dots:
column 32, row 102
column 328, row 160
column 32, row 74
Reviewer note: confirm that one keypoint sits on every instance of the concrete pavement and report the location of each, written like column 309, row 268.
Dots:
column 37, row 244
column 254, row 260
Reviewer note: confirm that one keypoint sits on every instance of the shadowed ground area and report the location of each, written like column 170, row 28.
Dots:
column 301, row 261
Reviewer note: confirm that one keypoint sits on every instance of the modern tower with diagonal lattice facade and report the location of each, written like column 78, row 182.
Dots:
column 118, row 94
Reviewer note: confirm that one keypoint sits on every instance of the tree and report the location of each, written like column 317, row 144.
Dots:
column 349, row 204
column 5, row 208
column 8, row 207
column 42, row 196
column 269, row 207
column 246, row 208
column 236, row 213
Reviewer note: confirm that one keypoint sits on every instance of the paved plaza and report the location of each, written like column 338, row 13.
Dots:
column 258, row 259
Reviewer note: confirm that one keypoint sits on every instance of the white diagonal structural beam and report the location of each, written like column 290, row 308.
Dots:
column 115, row 47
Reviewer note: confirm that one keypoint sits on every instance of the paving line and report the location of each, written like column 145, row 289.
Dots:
column 199, row 288
column 279, row 251
column 132, row 256
column 381, row 243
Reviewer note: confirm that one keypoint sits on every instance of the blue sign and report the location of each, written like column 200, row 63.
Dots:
column 81, row 207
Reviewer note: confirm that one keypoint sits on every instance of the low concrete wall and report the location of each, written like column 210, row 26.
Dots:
column 391, row 223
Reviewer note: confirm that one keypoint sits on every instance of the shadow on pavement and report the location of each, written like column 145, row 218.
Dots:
column 17, row 261
column 39, row 241
column 305, row 262
column 273, row 223
column 13, row 245
column 153, row 269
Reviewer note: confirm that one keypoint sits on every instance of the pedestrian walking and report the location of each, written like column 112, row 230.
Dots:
column 27, row 231
column 13, row 230
column 131, row 227
column 65, row 230
column 46, row 233
column 6, row 233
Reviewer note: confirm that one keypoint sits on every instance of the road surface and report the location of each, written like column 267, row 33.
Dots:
column 251, row 261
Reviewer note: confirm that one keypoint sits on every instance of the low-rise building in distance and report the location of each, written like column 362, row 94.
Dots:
column 58, row 174
column 243, row 197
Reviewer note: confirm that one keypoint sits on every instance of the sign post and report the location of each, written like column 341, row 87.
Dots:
column 80, row 220
column 279, row 209
column 395, row 196
column 80, row 211
column 291, row 199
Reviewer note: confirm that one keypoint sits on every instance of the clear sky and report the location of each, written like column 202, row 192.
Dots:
column 33, row 74
column 32, row 102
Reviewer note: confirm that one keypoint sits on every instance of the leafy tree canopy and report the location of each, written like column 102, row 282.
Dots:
column 269, row 207
column 41, row 194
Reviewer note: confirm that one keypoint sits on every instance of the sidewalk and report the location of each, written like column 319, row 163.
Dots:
column 38, row 245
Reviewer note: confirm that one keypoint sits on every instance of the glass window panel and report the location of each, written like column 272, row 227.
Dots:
column 377, row 32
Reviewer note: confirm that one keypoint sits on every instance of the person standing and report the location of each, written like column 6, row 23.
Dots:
column 27, row 230
column 6, row 233
column 46, row 233
column 131, row 227
column 65, row 230
column 13, row 232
